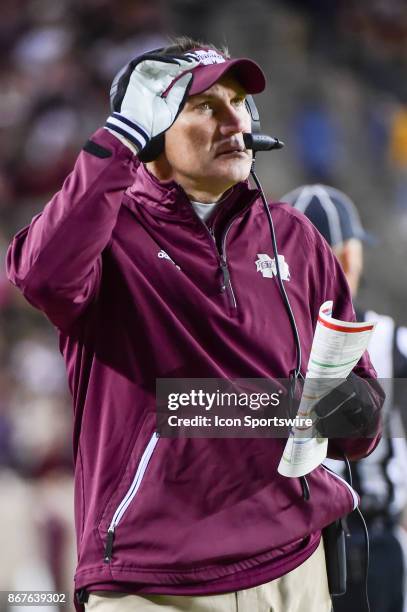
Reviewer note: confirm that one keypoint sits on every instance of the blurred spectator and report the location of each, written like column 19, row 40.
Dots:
column 316, row 137
column 380, row 478
column 398, row 157
column 5, row 289
column 56, row 65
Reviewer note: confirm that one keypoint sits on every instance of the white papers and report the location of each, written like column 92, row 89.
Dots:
column 336, row 349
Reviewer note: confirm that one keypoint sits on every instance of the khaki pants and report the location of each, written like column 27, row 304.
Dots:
column 304, row 589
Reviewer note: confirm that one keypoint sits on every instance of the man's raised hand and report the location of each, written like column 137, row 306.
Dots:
column 147, row 96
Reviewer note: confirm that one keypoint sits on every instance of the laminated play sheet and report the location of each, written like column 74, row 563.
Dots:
column 337, row 347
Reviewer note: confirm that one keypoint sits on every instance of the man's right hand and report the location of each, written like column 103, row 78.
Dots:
column 142, row 111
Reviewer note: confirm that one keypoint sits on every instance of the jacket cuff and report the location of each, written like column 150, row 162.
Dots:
column 128, row 130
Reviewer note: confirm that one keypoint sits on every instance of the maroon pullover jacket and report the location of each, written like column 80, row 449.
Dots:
column 139, row 289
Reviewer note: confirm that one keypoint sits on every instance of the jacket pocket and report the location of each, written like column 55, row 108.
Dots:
column 130, row 495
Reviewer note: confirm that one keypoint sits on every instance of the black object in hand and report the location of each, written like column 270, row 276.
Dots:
column 346, row 411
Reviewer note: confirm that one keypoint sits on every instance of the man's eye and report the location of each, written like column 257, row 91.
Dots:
column 205, row 106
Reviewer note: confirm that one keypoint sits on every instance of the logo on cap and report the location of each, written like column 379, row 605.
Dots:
column 206, row 56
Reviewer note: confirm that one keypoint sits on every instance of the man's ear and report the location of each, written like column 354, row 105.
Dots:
column 350, row 256
column 344, row 257
column 160, row 167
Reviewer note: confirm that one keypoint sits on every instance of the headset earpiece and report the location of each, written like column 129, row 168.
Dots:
column 153, row 150
column 254, row 114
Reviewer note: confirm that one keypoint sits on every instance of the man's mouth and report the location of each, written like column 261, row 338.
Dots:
column 230, row 150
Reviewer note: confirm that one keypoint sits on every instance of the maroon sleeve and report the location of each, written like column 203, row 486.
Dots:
column 333, row 285
column 56, row 260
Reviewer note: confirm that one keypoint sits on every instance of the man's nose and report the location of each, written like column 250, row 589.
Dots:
column 233, row 122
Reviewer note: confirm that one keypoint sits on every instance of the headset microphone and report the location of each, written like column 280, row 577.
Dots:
column 261, row 142
column 255, row 140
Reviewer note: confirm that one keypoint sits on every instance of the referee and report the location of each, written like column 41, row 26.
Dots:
column 380, row 478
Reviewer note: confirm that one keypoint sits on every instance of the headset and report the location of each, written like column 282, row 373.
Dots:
column 255, row 140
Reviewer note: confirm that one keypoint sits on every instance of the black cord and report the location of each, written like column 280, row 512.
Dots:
column 365, row 533
column 348, row 470
column 305, row 488
column 298, row 374
column 367, row 555
column 297, row 371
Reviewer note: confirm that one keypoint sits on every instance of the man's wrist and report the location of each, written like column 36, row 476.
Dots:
column 123, row 140
column 127, row 131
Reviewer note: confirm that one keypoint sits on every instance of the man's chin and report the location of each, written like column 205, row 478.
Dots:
column 232, row 173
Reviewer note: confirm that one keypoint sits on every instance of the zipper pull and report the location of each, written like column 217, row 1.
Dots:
column 225, row 272
column 109, row 545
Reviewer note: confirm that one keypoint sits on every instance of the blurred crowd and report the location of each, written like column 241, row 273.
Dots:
column 57, row 61
column 339, row 100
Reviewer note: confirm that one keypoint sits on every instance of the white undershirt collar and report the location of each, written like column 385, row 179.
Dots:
column 204, row 211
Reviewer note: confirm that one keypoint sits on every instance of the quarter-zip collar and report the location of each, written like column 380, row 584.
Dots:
column 167, row 199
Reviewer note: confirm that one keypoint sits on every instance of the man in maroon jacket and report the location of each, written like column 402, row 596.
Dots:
column 149, row 271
